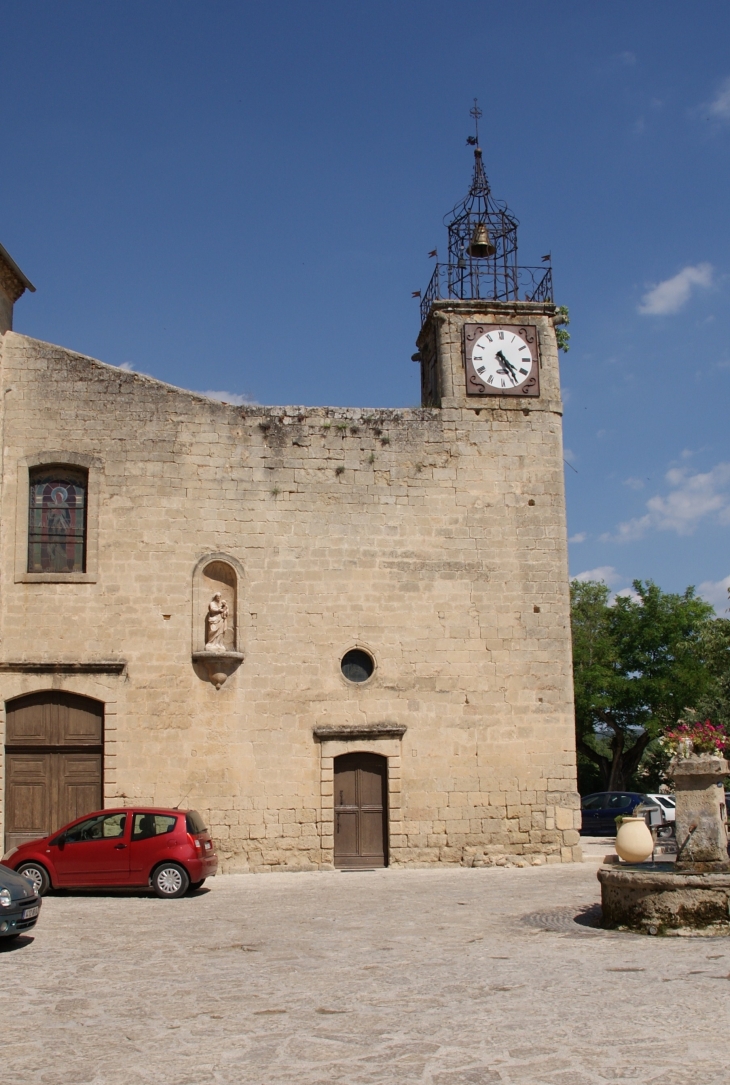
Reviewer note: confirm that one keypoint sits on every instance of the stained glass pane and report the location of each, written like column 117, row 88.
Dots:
column 57, row 520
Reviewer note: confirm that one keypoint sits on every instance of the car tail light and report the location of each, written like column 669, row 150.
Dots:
column 202, row 842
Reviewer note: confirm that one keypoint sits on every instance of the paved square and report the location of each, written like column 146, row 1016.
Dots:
column 432, row 977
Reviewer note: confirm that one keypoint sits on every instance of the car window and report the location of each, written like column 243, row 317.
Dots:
column 101, row 827
column 147, row 825
column 593, row 802
column 619, row 801
column 195, row 823
column 668, row 804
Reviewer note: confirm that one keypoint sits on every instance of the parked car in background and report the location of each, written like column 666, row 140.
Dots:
column 667, row 804
column 169, row 850
column 19, row 904
column 600, row 810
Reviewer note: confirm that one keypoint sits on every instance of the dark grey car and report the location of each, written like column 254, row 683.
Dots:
column 19, row 904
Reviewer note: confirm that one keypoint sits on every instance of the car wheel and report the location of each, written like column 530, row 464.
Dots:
column 37, row 874
column 196, row 885
column 170, row 881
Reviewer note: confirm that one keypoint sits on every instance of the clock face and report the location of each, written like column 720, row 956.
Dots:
column 501, row 360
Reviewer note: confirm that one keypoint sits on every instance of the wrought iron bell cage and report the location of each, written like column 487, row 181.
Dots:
column 470, row 275
column 480, row 267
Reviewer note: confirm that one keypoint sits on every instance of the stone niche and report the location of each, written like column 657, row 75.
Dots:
column 216, row 628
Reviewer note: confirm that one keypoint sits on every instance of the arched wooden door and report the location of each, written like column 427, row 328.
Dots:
column 361, row 815
column 53, row 762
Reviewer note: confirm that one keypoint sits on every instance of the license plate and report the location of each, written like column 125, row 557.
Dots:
column 30, row 912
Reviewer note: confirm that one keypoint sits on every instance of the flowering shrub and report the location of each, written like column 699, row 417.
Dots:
column 687, row 738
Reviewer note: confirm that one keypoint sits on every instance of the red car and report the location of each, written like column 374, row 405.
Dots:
column 169, row 850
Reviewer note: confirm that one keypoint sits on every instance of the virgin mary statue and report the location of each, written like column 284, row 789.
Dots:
column 216, row 623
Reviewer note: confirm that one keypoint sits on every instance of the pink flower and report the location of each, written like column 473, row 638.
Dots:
column 706, row 737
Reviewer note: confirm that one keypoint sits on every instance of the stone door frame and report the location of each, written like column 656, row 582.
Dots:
column 96, row 681
column 382, row 739
column 105, row 749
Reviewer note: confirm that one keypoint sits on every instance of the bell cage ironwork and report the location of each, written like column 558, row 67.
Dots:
column 482, row 259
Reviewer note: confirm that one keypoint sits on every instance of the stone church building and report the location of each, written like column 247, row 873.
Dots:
column 341, row 634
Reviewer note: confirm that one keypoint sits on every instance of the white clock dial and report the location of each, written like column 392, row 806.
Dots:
column 502, row 359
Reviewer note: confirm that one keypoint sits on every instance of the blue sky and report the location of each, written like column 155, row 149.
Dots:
column 193, row 186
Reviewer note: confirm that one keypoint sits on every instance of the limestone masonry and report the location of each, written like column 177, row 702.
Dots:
column 432, row 539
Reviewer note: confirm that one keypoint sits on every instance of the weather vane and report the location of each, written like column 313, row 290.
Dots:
column 476, row 113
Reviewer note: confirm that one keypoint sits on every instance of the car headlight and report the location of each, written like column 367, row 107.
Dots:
column 5, row 899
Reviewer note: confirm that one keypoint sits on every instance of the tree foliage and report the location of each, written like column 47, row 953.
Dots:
column 642, row 663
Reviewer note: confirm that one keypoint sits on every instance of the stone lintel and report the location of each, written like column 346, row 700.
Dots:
column 106, row 666
column 359, row 730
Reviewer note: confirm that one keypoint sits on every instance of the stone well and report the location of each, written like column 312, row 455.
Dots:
column 693, row 894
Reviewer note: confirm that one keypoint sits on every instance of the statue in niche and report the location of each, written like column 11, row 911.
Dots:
column 216, row 624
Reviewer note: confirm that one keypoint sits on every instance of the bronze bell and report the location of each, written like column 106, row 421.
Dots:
column 481, row 243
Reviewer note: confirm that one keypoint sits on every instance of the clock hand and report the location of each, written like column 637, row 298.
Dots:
column 508, row 368
column 505, row 362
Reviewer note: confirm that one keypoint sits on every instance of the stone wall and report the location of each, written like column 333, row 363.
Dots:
column 434, row 538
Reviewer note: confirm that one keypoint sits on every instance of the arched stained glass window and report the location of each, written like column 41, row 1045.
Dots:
column 57, row 520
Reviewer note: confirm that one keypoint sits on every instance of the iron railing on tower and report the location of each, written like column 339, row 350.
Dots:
column 526, row 284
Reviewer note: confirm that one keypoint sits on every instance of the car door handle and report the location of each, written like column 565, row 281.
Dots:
column 119, row 847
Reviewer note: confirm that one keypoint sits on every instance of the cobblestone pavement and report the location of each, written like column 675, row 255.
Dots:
column 435, row 977
column 595, row 847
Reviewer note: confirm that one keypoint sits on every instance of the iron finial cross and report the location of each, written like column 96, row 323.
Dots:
column 476, row 113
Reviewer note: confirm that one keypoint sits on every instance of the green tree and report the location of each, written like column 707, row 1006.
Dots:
column 641, row 664
column 714, row 704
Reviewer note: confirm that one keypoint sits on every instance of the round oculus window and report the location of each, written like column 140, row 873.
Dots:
column 357, row 666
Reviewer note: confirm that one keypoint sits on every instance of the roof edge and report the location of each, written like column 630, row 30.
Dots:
column 7, row 259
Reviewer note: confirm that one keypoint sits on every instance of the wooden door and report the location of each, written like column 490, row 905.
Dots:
column 360, row 810
column 27, row 794
column 53, row 763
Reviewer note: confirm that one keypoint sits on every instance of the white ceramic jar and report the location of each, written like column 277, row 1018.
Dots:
column 634, row 842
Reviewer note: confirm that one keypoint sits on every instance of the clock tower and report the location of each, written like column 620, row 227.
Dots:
column 488, row 336
column 488, row 350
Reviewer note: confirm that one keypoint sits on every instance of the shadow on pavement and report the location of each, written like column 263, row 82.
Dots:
column 7, row 945
column 111, row 891
column 589, row 917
